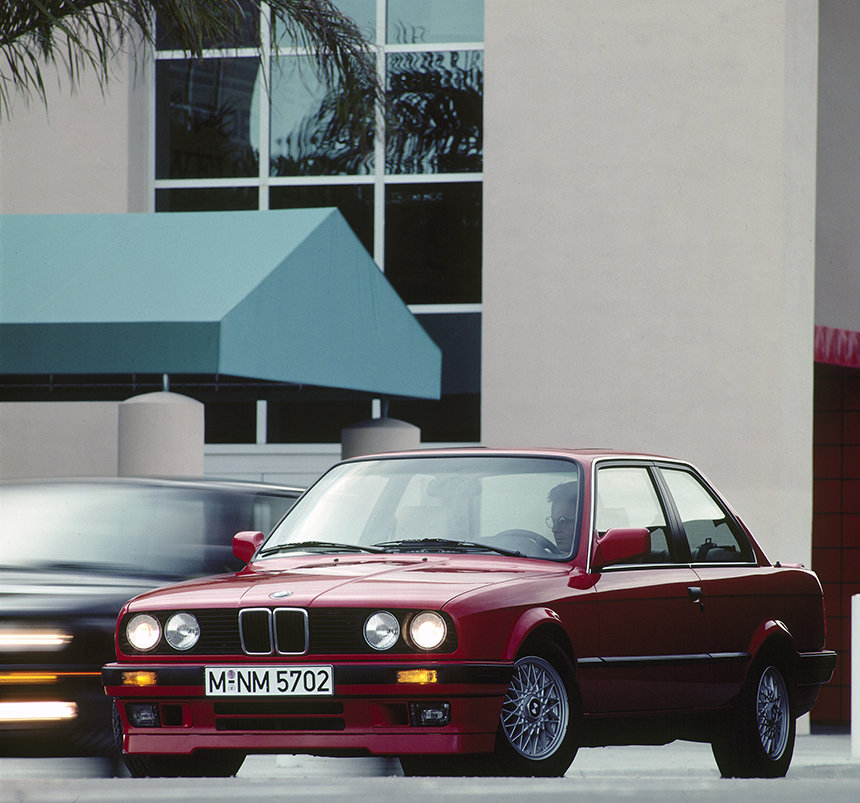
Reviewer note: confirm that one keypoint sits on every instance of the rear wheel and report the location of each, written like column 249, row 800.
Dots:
column 759, row 742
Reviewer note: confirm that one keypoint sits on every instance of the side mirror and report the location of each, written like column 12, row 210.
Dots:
column 246, row 543
column 621, row 545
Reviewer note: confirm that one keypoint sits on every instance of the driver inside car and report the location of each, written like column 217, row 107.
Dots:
column 562, row 517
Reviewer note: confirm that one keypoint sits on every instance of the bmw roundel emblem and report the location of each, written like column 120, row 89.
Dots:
column 280, row 594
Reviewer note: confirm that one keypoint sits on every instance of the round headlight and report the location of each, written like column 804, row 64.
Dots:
column 143, row 632
column 427, row 630
column 182, row 631
column 381, row 630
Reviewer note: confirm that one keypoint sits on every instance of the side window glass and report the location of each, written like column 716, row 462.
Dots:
column 626, row 498
column 712, row 537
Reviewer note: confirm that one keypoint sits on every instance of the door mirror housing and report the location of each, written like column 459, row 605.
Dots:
column 246, row 543
column 620, row 545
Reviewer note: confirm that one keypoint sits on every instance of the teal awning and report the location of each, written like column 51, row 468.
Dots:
column 282, row 296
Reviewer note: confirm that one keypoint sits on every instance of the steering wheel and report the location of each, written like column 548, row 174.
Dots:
column 542, row 544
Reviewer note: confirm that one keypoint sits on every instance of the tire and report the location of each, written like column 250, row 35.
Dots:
column 759, row 741
column 203, row 764
column 541, row 715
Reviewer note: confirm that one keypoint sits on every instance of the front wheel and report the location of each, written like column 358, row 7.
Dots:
column 211, row 764
column 760, row 741
column 541, row 714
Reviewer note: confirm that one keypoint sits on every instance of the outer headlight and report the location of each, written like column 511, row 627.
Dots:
column 381, row 630
column 182, row 631
column 427, row 630
column 143, row 632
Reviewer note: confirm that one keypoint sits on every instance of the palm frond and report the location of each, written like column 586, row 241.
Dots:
column 90, row 33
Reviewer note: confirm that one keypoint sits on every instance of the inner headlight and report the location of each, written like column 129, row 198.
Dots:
column 427, row 630
column 143, row 632
column 381, row 630
column 182, row 631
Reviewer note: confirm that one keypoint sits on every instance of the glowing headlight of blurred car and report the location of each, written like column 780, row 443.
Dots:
column 143, row 632
column 32, row 639
column 182, row 631
column 381, row 630
column 427, row 630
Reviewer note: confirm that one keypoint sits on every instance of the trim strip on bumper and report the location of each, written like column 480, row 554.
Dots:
column 380, row 674
column 815, row 667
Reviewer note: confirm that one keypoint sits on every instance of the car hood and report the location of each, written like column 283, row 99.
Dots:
column 67, row 594
column 415, row 580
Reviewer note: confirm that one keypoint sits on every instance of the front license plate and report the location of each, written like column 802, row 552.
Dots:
column 258, row 681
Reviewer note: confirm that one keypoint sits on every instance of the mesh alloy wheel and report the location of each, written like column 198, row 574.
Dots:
column 536, row 710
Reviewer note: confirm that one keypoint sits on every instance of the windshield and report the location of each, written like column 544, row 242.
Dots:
column 128, row 527
column 508, row 505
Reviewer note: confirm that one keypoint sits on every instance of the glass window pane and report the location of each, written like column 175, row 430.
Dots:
column 209, row 199
column 307, row 139
column 246, row 32
column 317, row 421
column 455, row 418
column 420, row 21
column 433, row 242
column 355, row 204
column 626, row 498
column 711, row 535
column 361, row 12
column 436, row 112
column 207, row 118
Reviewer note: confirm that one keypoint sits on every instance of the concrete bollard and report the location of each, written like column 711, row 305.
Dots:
column 855, row 676
column 378, row 435
column 160, row 434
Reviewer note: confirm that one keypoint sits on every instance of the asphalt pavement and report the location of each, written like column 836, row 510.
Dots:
column 816, row 756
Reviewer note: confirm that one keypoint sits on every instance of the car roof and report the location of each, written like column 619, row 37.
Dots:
column 585, row 454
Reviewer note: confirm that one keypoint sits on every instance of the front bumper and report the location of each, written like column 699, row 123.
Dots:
column 372, row 712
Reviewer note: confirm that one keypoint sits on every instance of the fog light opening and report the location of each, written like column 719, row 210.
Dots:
column 143, row 715
column 430, row 715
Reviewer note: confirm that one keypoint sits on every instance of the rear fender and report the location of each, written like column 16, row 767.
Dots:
column 774, row 638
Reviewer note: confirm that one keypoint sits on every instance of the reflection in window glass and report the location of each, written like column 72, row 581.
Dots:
column 206, row 118
column 626, row 498
column 361, row 12
column 436, row 112
column 433, row 242
column 710, row 535
column 307, row 138
column 354, row 202
column 210, row 199
column 421, row 21
column 245, row 34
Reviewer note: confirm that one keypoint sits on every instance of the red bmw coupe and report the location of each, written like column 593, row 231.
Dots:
column 478, row 611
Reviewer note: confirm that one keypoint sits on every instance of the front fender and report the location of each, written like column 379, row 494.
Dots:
column 527, row 624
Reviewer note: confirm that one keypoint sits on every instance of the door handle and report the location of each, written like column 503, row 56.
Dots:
column 695, row 594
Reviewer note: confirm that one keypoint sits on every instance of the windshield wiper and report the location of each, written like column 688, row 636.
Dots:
column 317, row 546
column 426, row 544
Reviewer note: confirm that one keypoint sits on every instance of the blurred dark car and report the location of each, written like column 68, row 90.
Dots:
column 73, row 552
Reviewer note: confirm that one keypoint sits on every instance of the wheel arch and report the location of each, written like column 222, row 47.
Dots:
column 536, row 624
column 773, row 641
